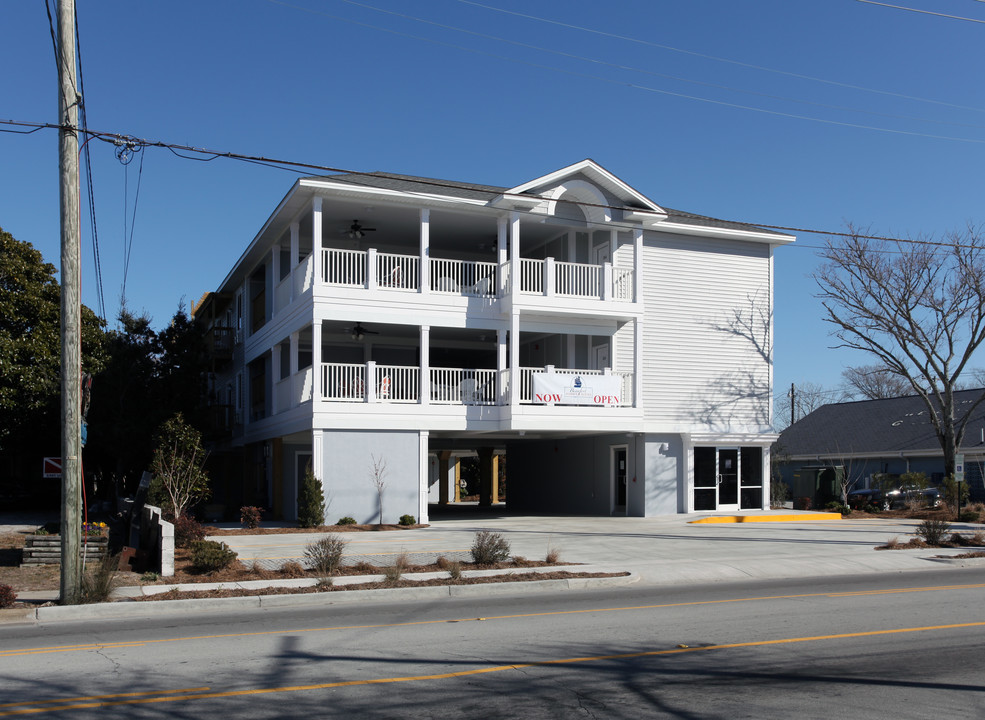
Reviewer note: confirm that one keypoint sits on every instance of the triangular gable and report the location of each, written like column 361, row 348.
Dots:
column 596, row 173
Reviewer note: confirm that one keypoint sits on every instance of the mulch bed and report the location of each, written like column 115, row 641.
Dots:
column 212, row 530
column 326, row 587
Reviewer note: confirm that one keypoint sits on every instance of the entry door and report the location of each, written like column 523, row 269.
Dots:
column 619, row 480
column 728, row 478
column 716, row 479
column 601, row 357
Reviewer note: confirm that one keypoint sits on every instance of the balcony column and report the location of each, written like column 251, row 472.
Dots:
column 638, row 265
column 295, row 251
column 443, row 468
column 316, row 362
column 425, row 383
column 318, row 458
column 515, row 359
column 316, row 236
column 274, row 378
column 502, row 228
column 423, row 475
column 514, row 252
column 502, row 365
column 425, row 279
column 297, row 388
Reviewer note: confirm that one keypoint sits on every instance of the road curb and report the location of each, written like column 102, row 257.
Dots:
column 157, row 608
column 721, row 519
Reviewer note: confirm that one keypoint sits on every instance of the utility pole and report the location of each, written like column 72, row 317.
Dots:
column 71, row 368
column 793, row 403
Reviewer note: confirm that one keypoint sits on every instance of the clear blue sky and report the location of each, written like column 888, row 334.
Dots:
column 711, row 106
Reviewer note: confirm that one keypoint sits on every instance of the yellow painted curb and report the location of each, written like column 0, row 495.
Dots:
column 766, row 518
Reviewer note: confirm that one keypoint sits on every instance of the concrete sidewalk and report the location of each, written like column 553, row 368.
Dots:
column 679, row 549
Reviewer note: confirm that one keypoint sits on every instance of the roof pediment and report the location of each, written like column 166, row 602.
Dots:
column 601, row 194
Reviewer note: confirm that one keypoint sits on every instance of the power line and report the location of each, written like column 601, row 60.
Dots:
column 294, row 166
column 644, row 71
column 923, row 12
column 631, row 85
column 718, row 58
column 89, row 185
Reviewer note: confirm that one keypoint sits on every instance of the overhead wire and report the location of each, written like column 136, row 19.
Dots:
column 644, row 71
column 624, row 83
column 298, row 167
column 923, row 12
column 98, row 270
column 126, row 149
column 717, row 58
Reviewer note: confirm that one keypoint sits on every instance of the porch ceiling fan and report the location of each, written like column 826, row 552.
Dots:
column 358, row 332
column 357, row 231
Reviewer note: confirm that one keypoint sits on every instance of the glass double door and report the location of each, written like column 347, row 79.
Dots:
column 716, row 478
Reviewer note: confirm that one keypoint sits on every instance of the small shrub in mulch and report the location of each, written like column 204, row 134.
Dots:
column 250, row 516
column 325, row 555
column 489, row 548
column 209, row 555
column 7, row 596
column 933, row 530
column 187, row 531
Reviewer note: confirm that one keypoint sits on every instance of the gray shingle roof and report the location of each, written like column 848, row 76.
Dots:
column 476, row 191
column 877, row 426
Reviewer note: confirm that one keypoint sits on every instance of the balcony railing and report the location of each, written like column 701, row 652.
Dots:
column 575, row 280
column 456, row 386
column 220, row 341
column 372, row 383
column 463, row 277
column 389, row 271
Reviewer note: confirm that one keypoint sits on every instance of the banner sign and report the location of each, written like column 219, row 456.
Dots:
column 553, row 388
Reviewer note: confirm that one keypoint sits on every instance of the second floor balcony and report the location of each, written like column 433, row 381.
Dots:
column 401, row 385
column 382, row 272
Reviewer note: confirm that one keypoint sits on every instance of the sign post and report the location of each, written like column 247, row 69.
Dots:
column 959, row 476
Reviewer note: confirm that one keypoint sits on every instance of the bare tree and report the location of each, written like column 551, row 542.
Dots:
column 806, row 398
column 875, row 382
column 378, row 477
column 918, row 308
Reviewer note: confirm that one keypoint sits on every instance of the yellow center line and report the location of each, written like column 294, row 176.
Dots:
column 84, row 698
column 515, row 616
column 29, row 708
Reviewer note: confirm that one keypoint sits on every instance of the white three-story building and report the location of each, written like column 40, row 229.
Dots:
column 617, row 353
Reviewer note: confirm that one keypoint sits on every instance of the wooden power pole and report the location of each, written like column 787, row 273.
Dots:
column 71, row 368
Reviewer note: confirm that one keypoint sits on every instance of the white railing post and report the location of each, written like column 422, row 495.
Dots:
column 549, row 272
column 371, row 279
column 370, row 387
column 607, row 281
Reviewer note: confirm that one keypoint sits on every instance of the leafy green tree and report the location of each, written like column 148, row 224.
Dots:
column 30, row 357
column 180, row 480
column 311, row 500
column 149, row 376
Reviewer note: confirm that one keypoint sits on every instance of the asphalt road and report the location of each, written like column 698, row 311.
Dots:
column 888, row 646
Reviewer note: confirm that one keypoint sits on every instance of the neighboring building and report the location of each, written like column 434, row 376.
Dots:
column 618, row 353
column 876, row 437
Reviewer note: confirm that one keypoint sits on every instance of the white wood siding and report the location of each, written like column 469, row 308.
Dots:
column 701, row 370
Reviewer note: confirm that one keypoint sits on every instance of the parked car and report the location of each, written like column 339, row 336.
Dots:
column 896, row 498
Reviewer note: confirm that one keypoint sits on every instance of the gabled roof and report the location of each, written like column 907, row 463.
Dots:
column 417, row 184
column 598, row 174
column 489, row 193
column 878, row 427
